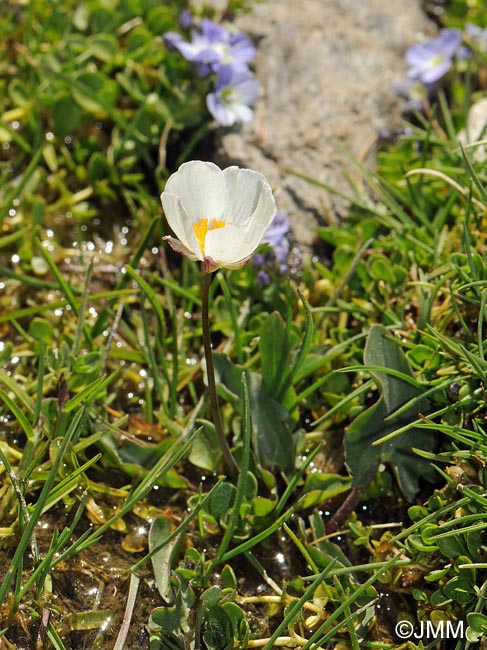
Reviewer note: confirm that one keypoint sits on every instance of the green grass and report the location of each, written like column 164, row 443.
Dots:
column 353, row 394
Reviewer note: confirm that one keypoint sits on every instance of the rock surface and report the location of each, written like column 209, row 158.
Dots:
column 325, row 68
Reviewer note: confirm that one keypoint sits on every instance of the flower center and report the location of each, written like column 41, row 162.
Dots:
column 228, row 96
column 436, row 60
column 202, row 227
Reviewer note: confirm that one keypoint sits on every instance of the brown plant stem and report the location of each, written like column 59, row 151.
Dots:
column 232, row 466
column 344, row 511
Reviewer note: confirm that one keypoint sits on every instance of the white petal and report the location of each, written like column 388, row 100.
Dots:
column 180, row 223
column 231, row 245
column 242, row 113
column 248, row 197
column 201, row 188
column 265, row 210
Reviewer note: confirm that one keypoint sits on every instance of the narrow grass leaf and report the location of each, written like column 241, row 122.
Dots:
column 129, row 609
column 19, row 416
column 17, row 188
column 22, row 396
column 473, row 175
column 80, row 323
column 150, row 294
column 63, row 285
column 90, row 392
column 233, row 318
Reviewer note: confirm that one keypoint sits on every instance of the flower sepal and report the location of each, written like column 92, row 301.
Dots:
column 209, row 265
column 179, row 247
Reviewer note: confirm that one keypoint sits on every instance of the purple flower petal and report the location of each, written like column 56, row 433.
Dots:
column 173, row 40
column 214, row 32
column 430, row 61
column 263, row 278
column 186, row 18
column 213, row 46
column 234, row 94
column 277, row 236
column 242, row 48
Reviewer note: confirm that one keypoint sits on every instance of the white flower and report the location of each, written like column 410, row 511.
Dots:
column 219, row 216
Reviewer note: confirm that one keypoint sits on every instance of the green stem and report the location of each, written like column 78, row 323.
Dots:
column 210, row 371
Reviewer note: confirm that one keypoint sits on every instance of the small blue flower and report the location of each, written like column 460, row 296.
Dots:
column 276, row 236
column 233, row 96
column 186, row 19
column 430, row 61
column 212, row 46
column 414, row 92
column 263, row 278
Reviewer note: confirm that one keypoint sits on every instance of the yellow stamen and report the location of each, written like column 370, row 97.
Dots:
column 202, row 227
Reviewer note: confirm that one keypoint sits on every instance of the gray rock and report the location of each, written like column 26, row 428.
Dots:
column 474, row 136
column 326, row 68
